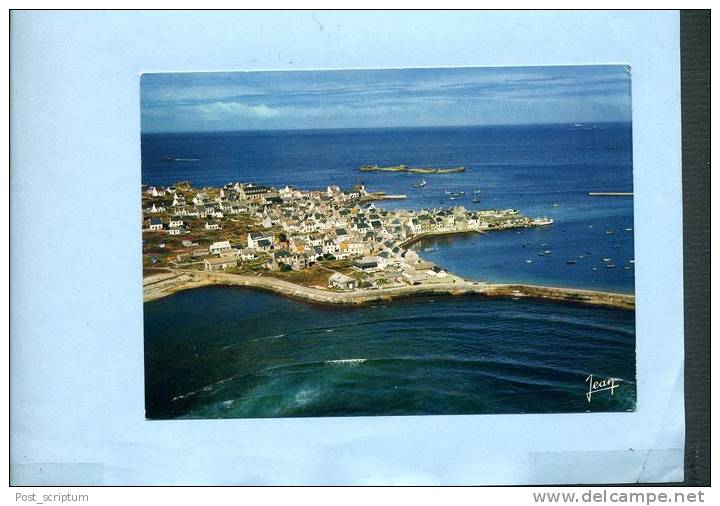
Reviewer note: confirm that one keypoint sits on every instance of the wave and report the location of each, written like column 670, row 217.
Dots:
column 278, row 336
column 185, row 395
column 206, row 388
column 347, row 361
column 563, row 322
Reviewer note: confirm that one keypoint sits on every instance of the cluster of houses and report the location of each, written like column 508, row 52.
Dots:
column 300, row 228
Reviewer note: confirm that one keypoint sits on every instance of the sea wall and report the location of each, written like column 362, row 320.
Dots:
column 155, row 288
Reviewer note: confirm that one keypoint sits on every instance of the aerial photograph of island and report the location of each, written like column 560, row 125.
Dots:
column 421, row 241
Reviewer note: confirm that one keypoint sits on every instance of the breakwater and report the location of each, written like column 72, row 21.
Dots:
column 178, row 280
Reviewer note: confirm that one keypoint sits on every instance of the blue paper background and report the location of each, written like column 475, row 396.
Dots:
column 76, row 298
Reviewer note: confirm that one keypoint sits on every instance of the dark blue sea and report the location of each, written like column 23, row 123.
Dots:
column 228, row 352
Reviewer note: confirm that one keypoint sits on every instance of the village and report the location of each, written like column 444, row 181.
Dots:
column 330, row 239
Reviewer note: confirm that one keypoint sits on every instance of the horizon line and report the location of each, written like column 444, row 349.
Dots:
column 255, row 130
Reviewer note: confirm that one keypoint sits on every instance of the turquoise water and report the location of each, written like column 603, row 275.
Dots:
column 230, row 352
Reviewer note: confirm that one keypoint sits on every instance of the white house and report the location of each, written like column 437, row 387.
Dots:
column 264, row 245
column 255, row 237
column 212, row 226
column 341, row 281
column 246, row 254
column 155, row 224
column 329, row 247
column 341, row 234
column 200, row 199
column 212, row 264
column 176, row 231
column 356, row 248
column 176, row 221
column 219, row 246
column 411, row 257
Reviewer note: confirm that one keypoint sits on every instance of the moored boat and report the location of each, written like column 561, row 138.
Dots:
column 542, row 221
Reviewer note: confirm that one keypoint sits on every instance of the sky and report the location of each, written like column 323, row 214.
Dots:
column 227, row 101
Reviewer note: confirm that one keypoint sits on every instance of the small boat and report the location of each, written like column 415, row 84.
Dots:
column 543, row 244
column 616, row 246
column 429, row 250
column 547, row 252
column 420, row 184
column 581, row 256
column 632, row 261
column 627, row 267
column 542, row 221
column 528, row 261
column 606, row 259
column 608, row 231
column 555, row 204
column 590, row 226
column 570, row 262
column 628, row 230
column 609, row 266
column 594, row 268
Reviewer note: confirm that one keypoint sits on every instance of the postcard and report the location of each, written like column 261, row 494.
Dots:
column 326, row 248
column 388, row 242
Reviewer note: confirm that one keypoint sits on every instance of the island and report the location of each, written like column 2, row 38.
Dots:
column 405, row 168
column 329, row 246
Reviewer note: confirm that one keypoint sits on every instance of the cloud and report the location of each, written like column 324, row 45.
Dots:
column 405, row 97
column 236, row 109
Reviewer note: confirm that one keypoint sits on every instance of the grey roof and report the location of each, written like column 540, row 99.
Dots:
column 365, row 262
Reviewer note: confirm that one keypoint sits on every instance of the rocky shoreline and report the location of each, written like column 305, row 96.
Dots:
column 412, row 170
column 175, row 280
